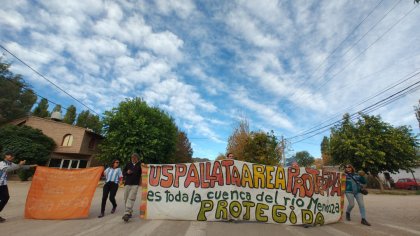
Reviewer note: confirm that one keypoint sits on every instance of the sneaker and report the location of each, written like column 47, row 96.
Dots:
column 364, row 222
column 2, row 219
column 113, row 209
column 101, row 215
column 348, row 216
column 126, row 217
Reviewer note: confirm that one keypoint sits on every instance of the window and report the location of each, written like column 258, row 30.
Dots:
column 82, row 164
column 65, row 164
column 55, row 162
column 67, row 140
column 74, row 164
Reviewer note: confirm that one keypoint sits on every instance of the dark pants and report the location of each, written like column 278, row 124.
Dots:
column 4, row 196
column 110, row 188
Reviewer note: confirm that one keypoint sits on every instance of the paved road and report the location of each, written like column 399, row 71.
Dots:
column 389, row 215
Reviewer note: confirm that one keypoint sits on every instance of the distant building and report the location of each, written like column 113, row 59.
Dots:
column 76, row 146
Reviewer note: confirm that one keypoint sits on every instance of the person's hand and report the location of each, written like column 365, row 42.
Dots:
column 22, row 162
column 129, row 172
column 33, row 166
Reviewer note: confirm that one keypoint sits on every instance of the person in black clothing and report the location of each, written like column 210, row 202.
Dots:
column 113, row 177
column 132, row 176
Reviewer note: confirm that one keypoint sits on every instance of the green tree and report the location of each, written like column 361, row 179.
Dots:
column 184, row 152
column 133, row 126
column 26, row 143
column 87, row 120
column 70, row 116
column 325, row 151
column 372, row 145
column 16, row 98
column 262, row 148
column 42, row 109
column 304, row 159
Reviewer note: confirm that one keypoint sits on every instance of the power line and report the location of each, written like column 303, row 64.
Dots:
column 42, row 76
column 32, row 91
column 361, row 53
column 360, row 103
column 342, row 42
column 383, row 102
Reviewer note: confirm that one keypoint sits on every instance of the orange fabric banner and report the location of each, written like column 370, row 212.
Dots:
column 57, row 194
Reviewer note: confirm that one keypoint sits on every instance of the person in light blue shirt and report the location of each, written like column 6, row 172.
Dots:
column 113, row 176
column 7, row 166
column 353, row 191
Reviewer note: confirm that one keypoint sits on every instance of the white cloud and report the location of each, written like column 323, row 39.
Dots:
column 273, row 117
column 182, row 8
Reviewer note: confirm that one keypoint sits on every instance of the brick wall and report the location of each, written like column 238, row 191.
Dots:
column 57, row 130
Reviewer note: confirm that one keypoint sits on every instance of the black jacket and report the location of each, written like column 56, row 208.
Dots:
column 135, row 177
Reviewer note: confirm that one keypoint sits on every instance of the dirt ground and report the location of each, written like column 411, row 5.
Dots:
column 388, row 214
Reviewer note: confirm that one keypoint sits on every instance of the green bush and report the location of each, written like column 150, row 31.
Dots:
column 24, row 175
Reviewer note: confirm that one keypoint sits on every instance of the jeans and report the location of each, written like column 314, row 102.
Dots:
column 110, row 188
column 130, row 194
column 359, row 199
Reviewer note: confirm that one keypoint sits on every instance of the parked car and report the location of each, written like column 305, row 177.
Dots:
column 407, row 183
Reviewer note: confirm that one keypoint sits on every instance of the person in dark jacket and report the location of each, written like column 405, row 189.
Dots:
column 132, row 176
column 353, row 184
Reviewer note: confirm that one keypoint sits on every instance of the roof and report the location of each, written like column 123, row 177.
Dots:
column 20, row 120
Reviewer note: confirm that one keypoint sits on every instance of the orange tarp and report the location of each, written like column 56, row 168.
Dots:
column 61, row 194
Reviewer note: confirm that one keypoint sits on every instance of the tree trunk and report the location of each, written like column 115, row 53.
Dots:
column 381, row 185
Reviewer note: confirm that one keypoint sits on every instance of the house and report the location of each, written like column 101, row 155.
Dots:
column 76, row 146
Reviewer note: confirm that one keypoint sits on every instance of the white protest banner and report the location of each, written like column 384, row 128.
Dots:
column 228, row 189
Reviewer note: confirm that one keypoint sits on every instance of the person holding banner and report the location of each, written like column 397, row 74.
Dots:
column 132, row 176
column 113, row 176
column 230, row 156
column 7, row 166
column 353, row 191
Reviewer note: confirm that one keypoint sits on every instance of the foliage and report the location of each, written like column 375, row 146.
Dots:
column 16, row 98
column 25, row 174
column 88, row 120
column 238, row 140
column 133, row 126
column 262, row 148
column 257, row 147
column 373, row 145
column 70, row 116
column 304, row 159
column 42, row 109
column 26, row 143
column 184, row 152
column 325, row 151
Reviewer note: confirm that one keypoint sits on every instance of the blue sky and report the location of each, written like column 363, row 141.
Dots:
column 211, row 63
